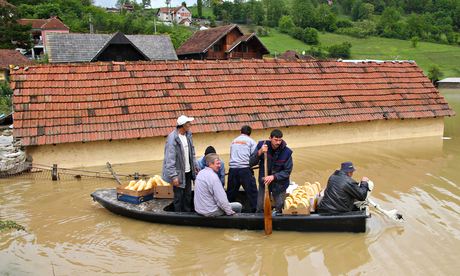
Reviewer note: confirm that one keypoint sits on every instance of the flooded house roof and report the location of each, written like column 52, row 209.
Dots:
column 63, row 103
column 202, row 40
column 52, row 23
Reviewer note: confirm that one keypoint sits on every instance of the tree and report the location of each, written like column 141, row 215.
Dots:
column 199, row 7
column 434, row 74
column 286, row 24
column 13, row 35
column 275, row 9
column 326, row 18
column 388, row 23
column 304, row 14
column 361, row 10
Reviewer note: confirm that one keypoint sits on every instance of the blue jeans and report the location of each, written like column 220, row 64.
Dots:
column 238, row 177
column 183, row 196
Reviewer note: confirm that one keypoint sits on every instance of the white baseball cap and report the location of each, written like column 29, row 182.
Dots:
column 182, row 120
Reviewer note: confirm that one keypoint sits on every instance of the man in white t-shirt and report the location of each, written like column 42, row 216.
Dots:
column 179, row 166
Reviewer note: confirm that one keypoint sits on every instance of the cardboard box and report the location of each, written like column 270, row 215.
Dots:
column 164, row 192
column 134, row 197
column 297, row 212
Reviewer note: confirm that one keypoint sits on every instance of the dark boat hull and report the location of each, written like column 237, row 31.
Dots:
column 153, row 211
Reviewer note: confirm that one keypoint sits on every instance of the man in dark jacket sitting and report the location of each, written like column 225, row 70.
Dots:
column 342, row 191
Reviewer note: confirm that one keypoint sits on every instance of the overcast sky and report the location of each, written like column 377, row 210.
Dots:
column 155, row 3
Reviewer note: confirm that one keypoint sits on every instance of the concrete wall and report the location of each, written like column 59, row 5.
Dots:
column 136, row 150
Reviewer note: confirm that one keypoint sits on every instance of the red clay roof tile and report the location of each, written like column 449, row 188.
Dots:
column 99, row 101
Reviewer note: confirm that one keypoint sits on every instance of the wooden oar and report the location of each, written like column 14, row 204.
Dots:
column 267, row 203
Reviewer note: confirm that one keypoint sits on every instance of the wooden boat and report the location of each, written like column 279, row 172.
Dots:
column 156, row 211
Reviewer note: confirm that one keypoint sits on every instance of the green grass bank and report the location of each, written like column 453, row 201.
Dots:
column 426, row 54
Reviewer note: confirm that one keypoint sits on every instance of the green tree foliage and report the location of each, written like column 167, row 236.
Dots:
column 254, row 11
column 286, row 24
column 414, row 41
column 304, row 14
column 199, row 7
column 342, row 50
column 317, row 52
column 434, row 73
column 326, row 18
column 361, row 10
column 13, row 35
column 388, row 24
column 5, row 97
column 297, row 33
column 275, row 9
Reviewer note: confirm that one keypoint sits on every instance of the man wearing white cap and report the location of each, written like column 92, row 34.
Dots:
column 179, row 164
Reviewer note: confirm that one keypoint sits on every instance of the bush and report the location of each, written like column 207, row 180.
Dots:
column 317, row 52
column 262, row 31
column 297, row 33
column 310, row 36
column 434, row 73
column 286, row 24
column 414, row 41
column 342, row 50
column 344, row 23
column 360, row 29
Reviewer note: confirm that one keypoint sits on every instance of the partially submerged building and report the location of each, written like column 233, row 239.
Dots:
column 449, row 83
column 90, row 113
column 73, row 47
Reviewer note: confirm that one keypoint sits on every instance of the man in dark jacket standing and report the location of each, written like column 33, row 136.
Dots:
column 179, row 167
column 342, row 191
column 279, row 168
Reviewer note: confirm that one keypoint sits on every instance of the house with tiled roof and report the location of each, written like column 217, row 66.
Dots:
column 41, row 27
column 180, row 15
column 224, row 42
column 9, row 58
column 90, row 113
column 74, row 47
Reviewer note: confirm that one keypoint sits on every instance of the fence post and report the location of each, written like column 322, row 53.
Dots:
column 54, row 173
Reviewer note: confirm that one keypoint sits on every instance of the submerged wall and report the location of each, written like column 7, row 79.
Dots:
column 135, row 150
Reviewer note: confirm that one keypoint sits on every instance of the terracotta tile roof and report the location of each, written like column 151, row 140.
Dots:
column 201, row 41
column 12, row 57
column 101, row 101
column 52, row 23
column 247, row 38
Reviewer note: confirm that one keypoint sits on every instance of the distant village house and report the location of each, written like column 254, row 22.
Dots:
column 180, row 15
column 41, row 27
column 225, row 42
column 87, row 114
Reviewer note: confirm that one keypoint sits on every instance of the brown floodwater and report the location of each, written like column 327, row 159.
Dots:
column 69, row 234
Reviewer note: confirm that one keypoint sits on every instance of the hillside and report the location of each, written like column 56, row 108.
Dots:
column 447, row 57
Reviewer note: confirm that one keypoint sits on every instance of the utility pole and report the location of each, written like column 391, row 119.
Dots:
column 91, row 28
